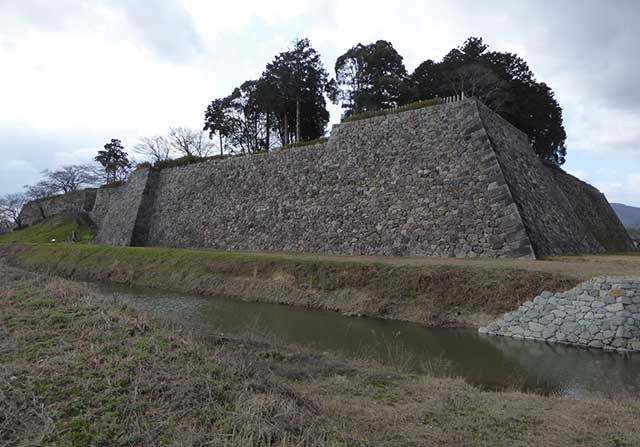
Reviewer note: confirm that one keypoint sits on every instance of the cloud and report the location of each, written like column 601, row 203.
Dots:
column 77, row 73
column 626, row 190
column 166, row 27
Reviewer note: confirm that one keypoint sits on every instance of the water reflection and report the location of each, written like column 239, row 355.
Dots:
column 489, row 362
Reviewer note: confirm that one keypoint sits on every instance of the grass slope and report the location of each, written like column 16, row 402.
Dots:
column 435, row 295
column 60, row 228
column 78, row 370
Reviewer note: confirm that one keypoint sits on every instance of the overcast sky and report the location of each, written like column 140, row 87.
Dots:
column 74, row 74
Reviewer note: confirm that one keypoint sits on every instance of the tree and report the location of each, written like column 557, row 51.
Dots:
column 39, row 191
column 426, row 80
column 10, row 207
column 266, row 99
column 479, row 81
column 67, row 179
column 505, row 83
column 537, row 113
column 370, row 77
column 114, row 160
column 217, row 120
column 297, row 80
column 246, row 119
column 157, row 148
column 189, row 142
column 5, row 225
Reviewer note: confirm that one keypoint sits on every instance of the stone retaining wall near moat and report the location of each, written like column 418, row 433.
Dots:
column 600, row 313
column 450, row 180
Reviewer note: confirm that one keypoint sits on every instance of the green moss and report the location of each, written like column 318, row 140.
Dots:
column 61, row 228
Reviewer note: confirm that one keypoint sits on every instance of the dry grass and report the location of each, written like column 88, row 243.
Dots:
column 430, row 294
column 78, row 369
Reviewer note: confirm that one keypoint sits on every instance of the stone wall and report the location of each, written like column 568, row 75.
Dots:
column 448, row 180
column 596, row 214
column 599, row 313
column 116, row 209
column 423, row 182
column 552, row 224
column 74, row 202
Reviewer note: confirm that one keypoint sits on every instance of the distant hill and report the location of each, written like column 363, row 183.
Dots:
column 629, row 215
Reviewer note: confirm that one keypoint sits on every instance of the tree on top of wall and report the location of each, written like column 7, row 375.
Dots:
column 370, row 77
column 114, row 160
column 504, row 82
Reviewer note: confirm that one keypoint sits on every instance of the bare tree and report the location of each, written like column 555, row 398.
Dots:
column 157, row 148
column 189, row 142
column 40, row 190
column 10, row 207
column 69, row 178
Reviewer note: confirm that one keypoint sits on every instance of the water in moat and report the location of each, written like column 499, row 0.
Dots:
column 487, row 362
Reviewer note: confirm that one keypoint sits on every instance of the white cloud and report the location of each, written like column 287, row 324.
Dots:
column 626, row 189
column 79, row 73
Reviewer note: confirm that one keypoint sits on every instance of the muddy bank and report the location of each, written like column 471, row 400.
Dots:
column 433, row 295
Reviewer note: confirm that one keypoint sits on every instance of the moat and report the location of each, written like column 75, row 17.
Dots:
column 487, row 362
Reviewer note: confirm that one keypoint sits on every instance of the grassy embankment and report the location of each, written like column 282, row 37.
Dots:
column 61, row 228
column 435, row 295
column 79, row 370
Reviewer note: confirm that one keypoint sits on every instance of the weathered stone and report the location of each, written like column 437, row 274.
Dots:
column 614, row 307
column 616, row 292
column 536, row 327
column 605, row 326
column 623, row 332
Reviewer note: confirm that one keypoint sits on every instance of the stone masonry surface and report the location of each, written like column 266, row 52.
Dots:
column 422, row 182
column 116, row 210
column 596, row 215
column 449, row 180
column 600, row 313
column 81, row 201
column 550, row 220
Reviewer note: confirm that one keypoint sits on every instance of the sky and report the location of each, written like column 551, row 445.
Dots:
column 76, row 73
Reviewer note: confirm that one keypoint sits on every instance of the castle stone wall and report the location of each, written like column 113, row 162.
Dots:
column 116, row 209
column 449, row 180
column 552, row 224
column 595, row 213
column 423, row 182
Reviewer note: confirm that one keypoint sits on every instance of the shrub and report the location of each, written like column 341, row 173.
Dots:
column 183, row 161
column 411, row 106
column 143, row 165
